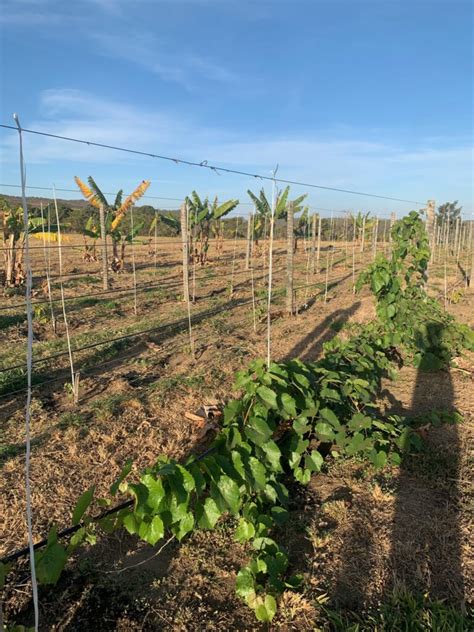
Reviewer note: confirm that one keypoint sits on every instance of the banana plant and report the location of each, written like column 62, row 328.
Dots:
column 14, row 241
column 301, row 226
column 91, row 231
column 364, row 225
column 203, row 216
column 170, row 221
column 114, row 215
column 263, row 209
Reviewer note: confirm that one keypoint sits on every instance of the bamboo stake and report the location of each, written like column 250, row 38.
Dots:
column 47, row 267
column 252, row 277
column 185, row 242
column 346, row 256
column 327, row 277
column 374, row 245
column 353, row 256
column 194, row 235
column 471, row 250
column 362, row 243
column 29, row 369
column 74, row 380
column 156, row 239
column 319, row 245
column 134, row 270
column 313, row 242
column 456, row 236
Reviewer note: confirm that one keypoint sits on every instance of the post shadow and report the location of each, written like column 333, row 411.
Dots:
column 419, row 550
column 308, row 347
column 426, row 542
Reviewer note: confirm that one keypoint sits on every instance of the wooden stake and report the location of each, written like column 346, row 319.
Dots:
column 135, row 310
column 313, row 243
column 249, row 243
column 231, row 293
column 290, row 239
column 184, row 241
column 374, row 245
column 103, row 236
column 318, row 254
column 362, row 243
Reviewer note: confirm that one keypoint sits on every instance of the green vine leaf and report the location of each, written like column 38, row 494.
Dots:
column 82, row 504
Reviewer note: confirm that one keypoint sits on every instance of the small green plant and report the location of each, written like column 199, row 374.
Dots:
column 40, row 314
column 286, row 420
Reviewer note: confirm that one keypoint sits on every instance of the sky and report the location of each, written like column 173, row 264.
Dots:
column 366, row 95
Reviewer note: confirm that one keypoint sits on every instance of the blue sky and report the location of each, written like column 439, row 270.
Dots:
column 370, row 95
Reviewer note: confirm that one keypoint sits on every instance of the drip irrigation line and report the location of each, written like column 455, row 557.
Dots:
column 16, row 555
column 64, row 533
column 205, row 165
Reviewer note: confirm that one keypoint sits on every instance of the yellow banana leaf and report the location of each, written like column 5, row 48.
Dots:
column 87, row 193
column 130, row 200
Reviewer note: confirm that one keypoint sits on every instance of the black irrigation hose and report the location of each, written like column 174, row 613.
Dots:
column 24, row 552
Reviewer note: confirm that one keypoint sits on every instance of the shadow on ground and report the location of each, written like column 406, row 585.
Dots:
column 405, row 533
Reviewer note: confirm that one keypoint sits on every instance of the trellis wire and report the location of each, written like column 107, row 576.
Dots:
column 137, row 334
column 204, row 164
column 149, row 197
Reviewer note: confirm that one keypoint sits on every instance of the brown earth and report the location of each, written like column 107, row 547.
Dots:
column 355, row 534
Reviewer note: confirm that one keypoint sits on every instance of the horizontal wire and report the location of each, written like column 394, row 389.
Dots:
column 131, row 289
column 152, row 197
column 164, row 346
column 210, row 313
column 17, row 554
column 215, row 168
column 174, row 281
column 167, row 242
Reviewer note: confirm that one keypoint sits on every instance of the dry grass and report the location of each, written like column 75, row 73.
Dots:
column 355, row 535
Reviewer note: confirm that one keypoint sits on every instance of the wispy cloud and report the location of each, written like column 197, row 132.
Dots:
column 377, row 165
column 169, row 63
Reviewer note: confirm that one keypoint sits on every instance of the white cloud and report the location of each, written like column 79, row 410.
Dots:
column 337, row 159
column 174, row 65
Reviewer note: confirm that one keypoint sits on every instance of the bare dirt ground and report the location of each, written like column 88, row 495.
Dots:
column 356, row 535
